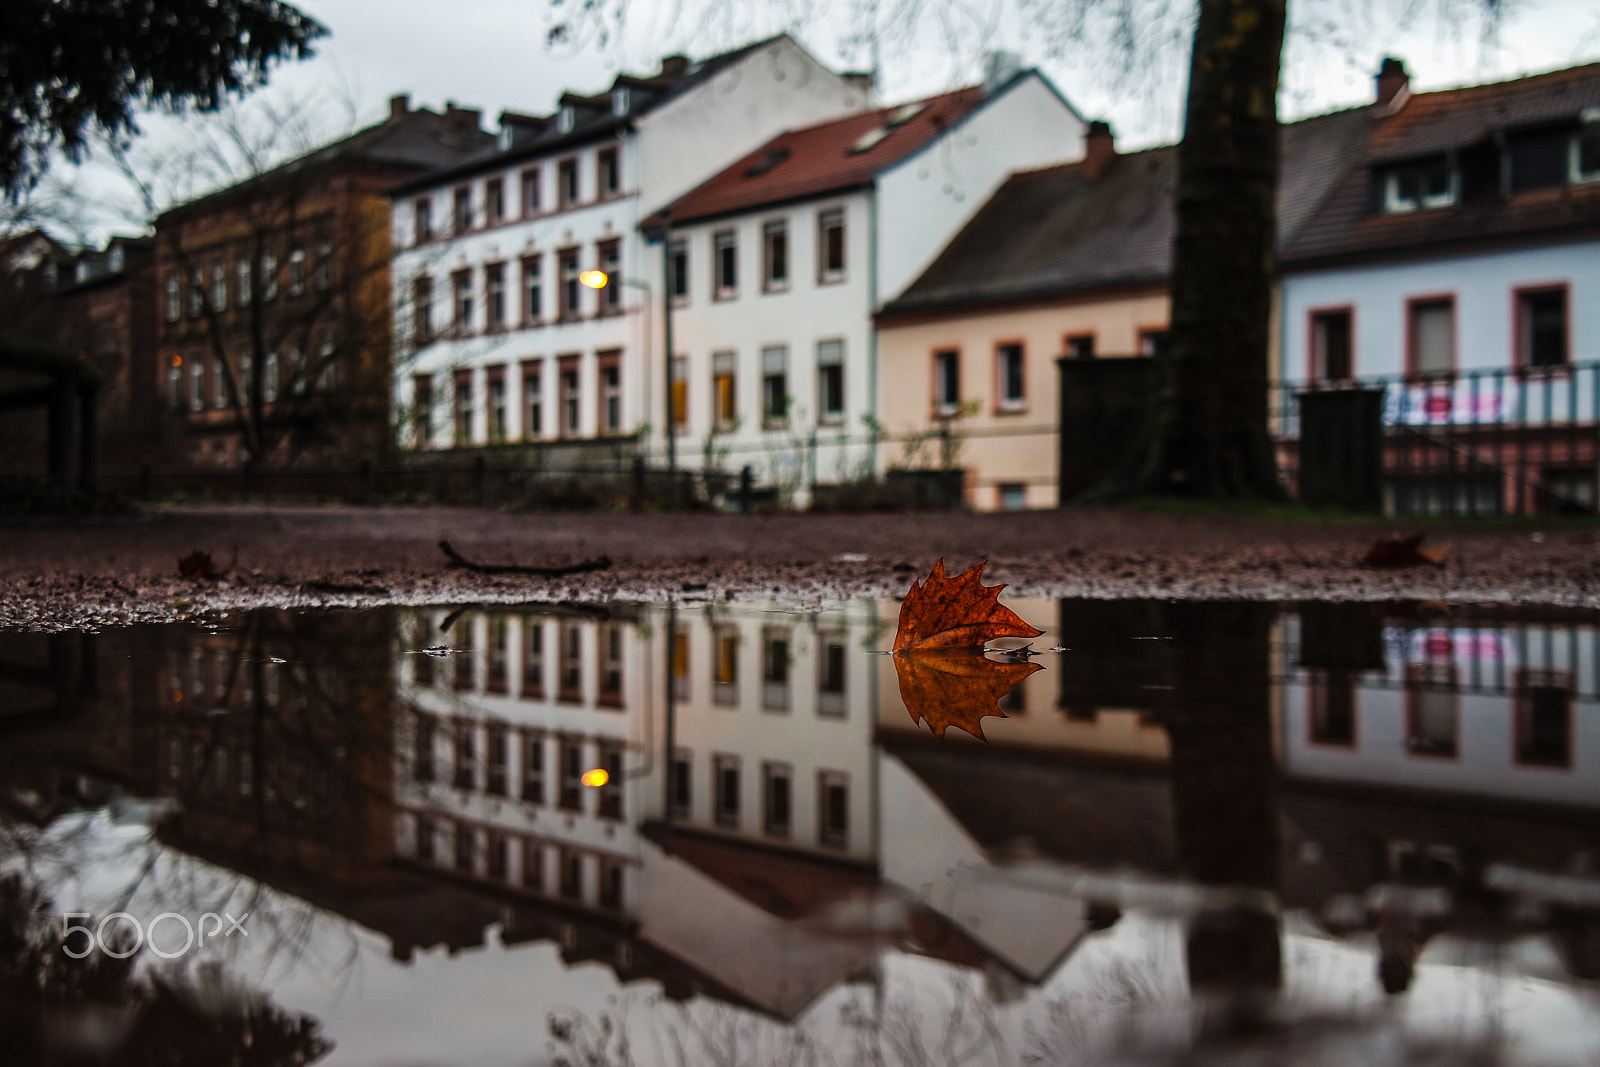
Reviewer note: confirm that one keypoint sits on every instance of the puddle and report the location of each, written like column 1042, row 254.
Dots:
column 1314, row 833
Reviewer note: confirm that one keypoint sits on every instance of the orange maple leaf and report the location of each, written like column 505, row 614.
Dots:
column 959, row 612
column 956, row 687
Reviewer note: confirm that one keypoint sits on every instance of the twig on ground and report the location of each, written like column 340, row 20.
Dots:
column 457, row 559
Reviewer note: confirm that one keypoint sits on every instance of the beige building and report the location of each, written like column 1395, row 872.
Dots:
column 1063, row 262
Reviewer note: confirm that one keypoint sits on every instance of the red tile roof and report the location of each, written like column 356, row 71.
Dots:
column 818, row 159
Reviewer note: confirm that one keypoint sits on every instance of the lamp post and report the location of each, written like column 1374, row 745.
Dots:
column 599, row 279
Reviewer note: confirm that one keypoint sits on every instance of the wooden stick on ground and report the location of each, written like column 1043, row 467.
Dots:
column 458, row 560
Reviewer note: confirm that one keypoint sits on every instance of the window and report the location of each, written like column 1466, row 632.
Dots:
column 610, row 257
column 532, row 402
column 1331, row 358
column 682, row 780
column 324, row 265
column 1542, row 327
column 1432, row 709
column 566, row 118
column 1332, row 702
column 219, row 285
column 1153, row 341
column 422, row 309
column 327, row 360
column 567, row 181
column 830, row 381
column 1431, row 335
column 830, row 675
column 1544, row 718
column 494, row 295
column 494, row 202
column 610, row 172
column 570, row 289
column 774, row 385
column 269, row 276
column 571, row 794
column 463, row 408
column 532, row 864
column 175, row 384
column 461, row 291
column 946, row 381
column 569, row 675
column 609, row 365
column 571, row 868
column 619, row 101
column 830, row 246
column 297, row 271
column 1431, row 183
column 197, row 381
column 775, row 797
column 532, row 290
column 1584, row 154
column 269, row 376
column 725, row 666
column 725, row 773
column 174, row 295
column 833, row 809
column 466, row 768
column 197, row 293
column 532, row 657
column 569, row 396
column 680, row 394
column 531, row 199
column 725, row 265
column 680, row 663
column 1080, row 346
column 775, row 668
column 775, row 256
column 533, row 768
column 1009, row 389
column 422, row 412
column 497, row 404
column 462, row 211
column 241, row 281
column 1013, row 496
column 678, row 269
column 219, row 383
column 422, row 220
column 499, row 746
column 725, row 408
column 610, row 805
column 608, row 686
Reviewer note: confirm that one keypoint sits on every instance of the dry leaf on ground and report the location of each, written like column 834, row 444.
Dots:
column 950, row 687
column 1397, row 551
column 198, row 564
column 959, row 612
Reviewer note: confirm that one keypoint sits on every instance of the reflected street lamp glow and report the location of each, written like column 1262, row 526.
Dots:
column 596, row 777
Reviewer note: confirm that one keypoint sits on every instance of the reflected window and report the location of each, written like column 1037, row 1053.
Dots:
column 725, row 771
column 466, row 840
column 532, row 864
column 497, row 856
column 570, row 689
column 465, row 772
column 833, row 809
column 775, row 797
column 499, row 763
column 533, row 768
column 421, row 666
column 725, row 666
column 682, row 764
column 495, row 654
column 571, row 776
column 1544, row 718
column 609, row 686
column 1332, row 696
column 830, row 675
column 611, row 792
column 571, row 875
column 423, row 762
column 461, row 639
column 427, row 847
column 680, row 663
column 532, row 657
column 611, row 885
column 1432, row 710
column 247, row 774
column 775, row 668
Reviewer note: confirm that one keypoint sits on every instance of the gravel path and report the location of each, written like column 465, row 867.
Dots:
column 101, row 574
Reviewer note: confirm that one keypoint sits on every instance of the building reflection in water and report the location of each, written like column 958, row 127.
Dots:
column 773, row 822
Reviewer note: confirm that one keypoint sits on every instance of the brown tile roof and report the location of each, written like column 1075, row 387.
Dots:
column 1054, row 232
column 1465, row 121
column 818, row 159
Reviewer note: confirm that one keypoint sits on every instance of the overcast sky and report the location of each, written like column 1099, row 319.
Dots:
column 492, row 54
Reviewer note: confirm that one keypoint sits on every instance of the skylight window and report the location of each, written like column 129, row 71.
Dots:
column 565, row 119
column 1420, row 185
column 905, row 114
column 766, row 162
column 1583, row 162
column 869, row 139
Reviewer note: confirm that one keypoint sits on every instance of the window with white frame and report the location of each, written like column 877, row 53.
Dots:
column 421, row 220
column 611, row 265
column 422, row 309
column 774, row 385
column 494, row 201
column 680, row 394
column 174, row 296
column 724, row 401
column 531, row 198
column 946, row 381
column 494, row 295
column 1425, row 184
column 219, row 383
column 610, row 367
column 610, row 172
column 241, row 283
column 1432, row 335
column 532, row 402
column 1583, row 159
column 422, row 411
column 775, row 256
column 830, row 381
column 1009, row 378
column 678, row 269
column 571, row 291
column 532, row 289
column 197, row 381
column 724, row 265
column 461, row 292
column 324, row 265
column 830, row 246
column 297, row 271
column 219, row 285
column 462, row 209
column 197, row 293
column 567, row 181
column 269, row 376
column 269, row 275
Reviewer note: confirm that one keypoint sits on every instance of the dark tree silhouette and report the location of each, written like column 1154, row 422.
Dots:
column 72, row 63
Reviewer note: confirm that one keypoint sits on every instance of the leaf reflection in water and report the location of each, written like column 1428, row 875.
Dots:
column 956, row 688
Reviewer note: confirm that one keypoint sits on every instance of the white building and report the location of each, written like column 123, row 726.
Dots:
column 1459, row 257
column 497, row 339
column 781, row 260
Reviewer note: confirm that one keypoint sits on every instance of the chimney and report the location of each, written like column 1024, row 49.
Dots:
column 399, row 106
column 999, row 68
column 1099, row 150
column 674, row 66
column 1394, row 85
column 460, row 123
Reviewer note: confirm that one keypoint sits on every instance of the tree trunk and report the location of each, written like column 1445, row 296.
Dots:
column 1209, row 433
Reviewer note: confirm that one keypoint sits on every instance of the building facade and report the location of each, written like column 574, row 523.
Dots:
column 503, row 342
column 780, row 261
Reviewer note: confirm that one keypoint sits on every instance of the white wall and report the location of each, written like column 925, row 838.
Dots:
column 926, row 198
column 777, row 87
column 1483, row 286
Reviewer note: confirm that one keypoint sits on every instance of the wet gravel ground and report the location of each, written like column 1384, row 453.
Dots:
column 76, row 575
